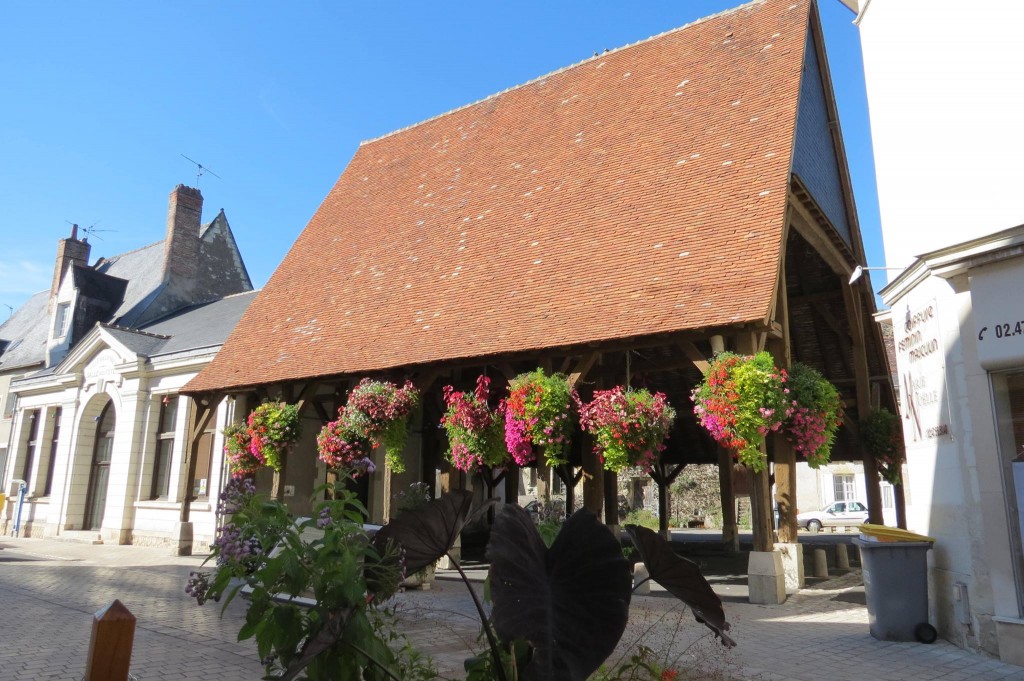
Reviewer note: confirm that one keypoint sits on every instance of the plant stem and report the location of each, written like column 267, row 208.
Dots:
column 372, row 659
column 495, row 653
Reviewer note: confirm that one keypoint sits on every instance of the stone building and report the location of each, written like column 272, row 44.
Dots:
column 91, row 370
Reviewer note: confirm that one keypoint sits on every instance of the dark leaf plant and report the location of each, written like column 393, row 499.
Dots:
column 558, row 613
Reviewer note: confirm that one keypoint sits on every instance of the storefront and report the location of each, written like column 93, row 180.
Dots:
column 958, row 316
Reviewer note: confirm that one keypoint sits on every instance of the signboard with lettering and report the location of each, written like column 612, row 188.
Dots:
column 922, row 366
column 997, row 298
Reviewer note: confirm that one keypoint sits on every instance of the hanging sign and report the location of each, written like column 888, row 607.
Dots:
column 922, row 367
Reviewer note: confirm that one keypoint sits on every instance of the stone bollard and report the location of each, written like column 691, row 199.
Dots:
column 842, row 557
column 820, row 563
column 640, row 574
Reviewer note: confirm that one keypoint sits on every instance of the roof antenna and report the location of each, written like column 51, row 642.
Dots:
column 91, row 230
column 10, row 310
column 202, row 169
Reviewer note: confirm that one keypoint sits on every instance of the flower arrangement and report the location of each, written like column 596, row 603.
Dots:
column 882, row 436
column 815, row 416
column 536, row 414
column 475, row 431
column 339, row 446
column 273, row 426
column 241, row 461
column 629, row 426
column 378, row 411
column 741, row 399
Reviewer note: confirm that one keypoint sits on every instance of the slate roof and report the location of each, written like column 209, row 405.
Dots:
column 639, row 192
column 23, row 335
column 200, row 326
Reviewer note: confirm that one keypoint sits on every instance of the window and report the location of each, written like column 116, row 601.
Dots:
column 855, row 506
column 53, row 452
column 164, row 446
column 839, row 508
column 888, row 500
column 843, row 487
column 30, row 444
column 9, row 401
column 60, row 321
column 204, row 457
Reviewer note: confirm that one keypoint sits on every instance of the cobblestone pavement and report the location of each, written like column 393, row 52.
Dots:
column 50, row 591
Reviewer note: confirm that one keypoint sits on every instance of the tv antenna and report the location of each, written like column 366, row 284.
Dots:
column 10, row 310
column 91, row 230
column 202, row 169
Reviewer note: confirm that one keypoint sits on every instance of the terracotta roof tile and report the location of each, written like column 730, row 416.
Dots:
column 639, row 192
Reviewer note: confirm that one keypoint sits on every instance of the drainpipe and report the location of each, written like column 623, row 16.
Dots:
column 22, row 486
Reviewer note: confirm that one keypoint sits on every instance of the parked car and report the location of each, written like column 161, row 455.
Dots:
column 840, row 513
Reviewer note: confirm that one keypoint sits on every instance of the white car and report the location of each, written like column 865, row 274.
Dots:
column 840, row 513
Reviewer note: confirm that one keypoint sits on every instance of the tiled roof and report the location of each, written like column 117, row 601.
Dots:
column 640, row 192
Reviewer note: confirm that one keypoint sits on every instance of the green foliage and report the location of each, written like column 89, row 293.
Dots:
column 273, row 426
column 643, row 518
column 327, row 560
column 815, row 416
column 881, row 433
column 643, row 665
column 740, row 401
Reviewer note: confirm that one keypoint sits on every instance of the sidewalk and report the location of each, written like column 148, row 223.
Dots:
column 51, row 589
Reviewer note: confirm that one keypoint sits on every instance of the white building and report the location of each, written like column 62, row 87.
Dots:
column 944, row 104
column 90, row 370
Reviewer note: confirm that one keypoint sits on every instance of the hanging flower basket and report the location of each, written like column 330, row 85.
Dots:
column 378, row 411
column 536, row 414
column 629, row 426
column 241, row 461
column 273, row 426
column 476, row 433
column 740, row 400
column 340, row 447
column 815, row 415
column 881, row 434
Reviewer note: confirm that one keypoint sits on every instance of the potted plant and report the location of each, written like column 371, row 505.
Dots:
column 273, row 426
column 242, row 462
column 815, row 415
column 378, row 411
column 475, row 431
column 629, row 426
column 881, row 434
column 340, row 447
column 536, row 414
column 740, row 401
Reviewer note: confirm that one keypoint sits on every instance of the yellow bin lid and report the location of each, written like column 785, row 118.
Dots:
column 886, row 533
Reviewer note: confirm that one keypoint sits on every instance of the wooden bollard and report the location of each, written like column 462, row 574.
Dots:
column 842, row 557
column 110, row 648
column 820, row 563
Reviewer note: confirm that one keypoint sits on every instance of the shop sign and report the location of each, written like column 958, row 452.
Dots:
column 922, row 365
column 997, row 298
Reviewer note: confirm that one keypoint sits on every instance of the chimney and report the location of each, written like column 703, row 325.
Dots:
column 181, row 247
column 69, row 251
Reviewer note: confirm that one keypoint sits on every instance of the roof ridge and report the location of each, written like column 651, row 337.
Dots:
column 104, row 258
column 136, row 331
column 563, row 69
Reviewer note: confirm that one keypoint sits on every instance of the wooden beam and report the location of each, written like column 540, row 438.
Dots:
column 585, row 364
column 206, row 408
column 807, row 226
column 693, row 353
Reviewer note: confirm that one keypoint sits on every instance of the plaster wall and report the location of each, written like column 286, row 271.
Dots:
column 945, row 125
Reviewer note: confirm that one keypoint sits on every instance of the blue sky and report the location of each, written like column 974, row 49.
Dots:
column 101, row 99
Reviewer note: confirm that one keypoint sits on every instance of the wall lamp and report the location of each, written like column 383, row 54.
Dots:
column 859, row 270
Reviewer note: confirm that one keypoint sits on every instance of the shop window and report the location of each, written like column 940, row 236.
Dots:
column 164, row 447
column 52, row 463
column 843, row 486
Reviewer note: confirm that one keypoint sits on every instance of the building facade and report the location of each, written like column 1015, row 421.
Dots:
column 94, row 426
column 946, row 139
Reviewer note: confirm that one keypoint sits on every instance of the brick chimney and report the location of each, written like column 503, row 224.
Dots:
column 181, row 247
column 69, row 251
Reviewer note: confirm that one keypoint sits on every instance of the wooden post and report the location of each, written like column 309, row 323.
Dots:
column 611, row 498
column 785, row 456
column 512, row 473
column 851, row 298
column 761, row 516
column 206, row 409
column 110, row 646
column 730, row 529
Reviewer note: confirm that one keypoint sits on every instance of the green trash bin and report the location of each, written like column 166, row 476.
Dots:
column 896, row 586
